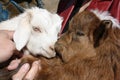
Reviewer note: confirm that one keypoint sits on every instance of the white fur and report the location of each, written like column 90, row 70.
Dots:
column 37, row 29
column 105, row 15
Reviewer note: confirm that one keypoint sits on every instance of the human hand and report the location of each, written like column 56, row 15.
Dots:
column 25, row 72
column 7, row 46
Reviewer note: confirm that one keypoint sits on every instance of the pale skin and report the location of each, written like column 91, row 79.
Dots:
column 7, row 47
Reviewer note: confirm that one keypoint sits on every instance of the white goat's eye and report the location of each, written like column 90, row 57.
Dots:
column 36, row 29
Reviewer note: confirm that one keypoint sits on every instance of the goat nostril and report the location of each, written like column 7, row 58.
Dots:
column 52, row 48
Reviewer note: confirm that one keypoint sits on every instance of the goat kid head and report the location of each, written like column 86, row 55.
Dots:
column 38, row 30
column 86, row 33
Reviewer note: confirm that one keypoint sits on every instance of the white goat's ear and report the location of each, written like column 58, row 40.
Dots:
column 57, row 21
column 23, row 32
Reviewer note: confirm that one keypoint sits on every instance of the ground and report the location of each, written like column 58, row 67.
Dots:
column 51, row 5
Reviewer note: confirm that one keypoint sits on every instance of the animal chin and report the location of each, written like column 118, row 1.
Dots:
column 48, row 53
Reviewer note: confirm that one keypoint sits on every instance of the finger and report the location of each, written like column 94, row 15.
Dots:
column 12, row 46
column 33, row 71
column 9, row 33
column 22, row 72
column 14, row 64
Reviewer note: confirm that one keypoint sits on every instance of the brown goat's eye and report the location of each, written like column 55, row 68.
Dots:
column 80, row 33
column 36, row 29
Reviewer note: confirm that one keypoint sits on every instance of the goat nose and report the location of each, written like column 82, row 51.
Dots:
column 51, row 48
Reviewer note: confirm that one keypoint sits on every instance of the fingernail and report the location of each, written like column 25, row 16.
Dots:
column 26, row 66
column 11, row 66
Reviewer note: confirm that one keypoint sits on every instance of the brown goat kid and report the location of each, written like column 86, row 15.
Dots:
column 89, row 50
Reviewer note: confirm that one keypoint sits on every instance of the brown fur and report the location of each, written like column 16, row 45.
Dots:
column 89, row 50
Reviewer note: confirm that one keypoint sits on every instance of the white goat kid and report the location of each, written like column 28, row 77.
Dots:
column 37, row 29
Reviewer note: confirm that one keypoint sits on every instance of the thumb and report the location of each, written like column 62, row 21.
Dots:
column 9, row 33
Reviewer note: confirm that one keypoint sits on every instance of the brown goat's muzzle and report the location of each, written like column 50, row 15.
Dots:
column 59, row 48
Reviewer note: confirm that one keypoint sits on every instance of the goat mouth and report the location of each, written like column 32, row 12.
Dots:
column 59, row 49
column 49, row 54
column 58, row 53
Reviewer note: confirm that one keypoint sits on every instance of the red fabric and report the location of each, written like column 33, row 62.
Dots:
column 115, row 9
column 62, row 5
column 113, row 6
column 65, row 9
column 66, row 14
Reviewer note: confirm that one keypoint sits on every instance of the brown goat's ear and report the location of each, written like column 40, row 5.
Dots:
column 101, row 33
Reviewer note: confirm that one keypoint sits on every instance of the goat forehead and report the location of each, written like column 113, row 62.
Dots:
column 45, row 23
column 36, row 10
column 41, row 20
column 46, row 37
column 83, row 23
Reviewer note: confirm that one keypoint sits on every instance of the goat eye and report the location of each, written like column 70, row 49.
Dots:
column 36, row 29
column 80, row 33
